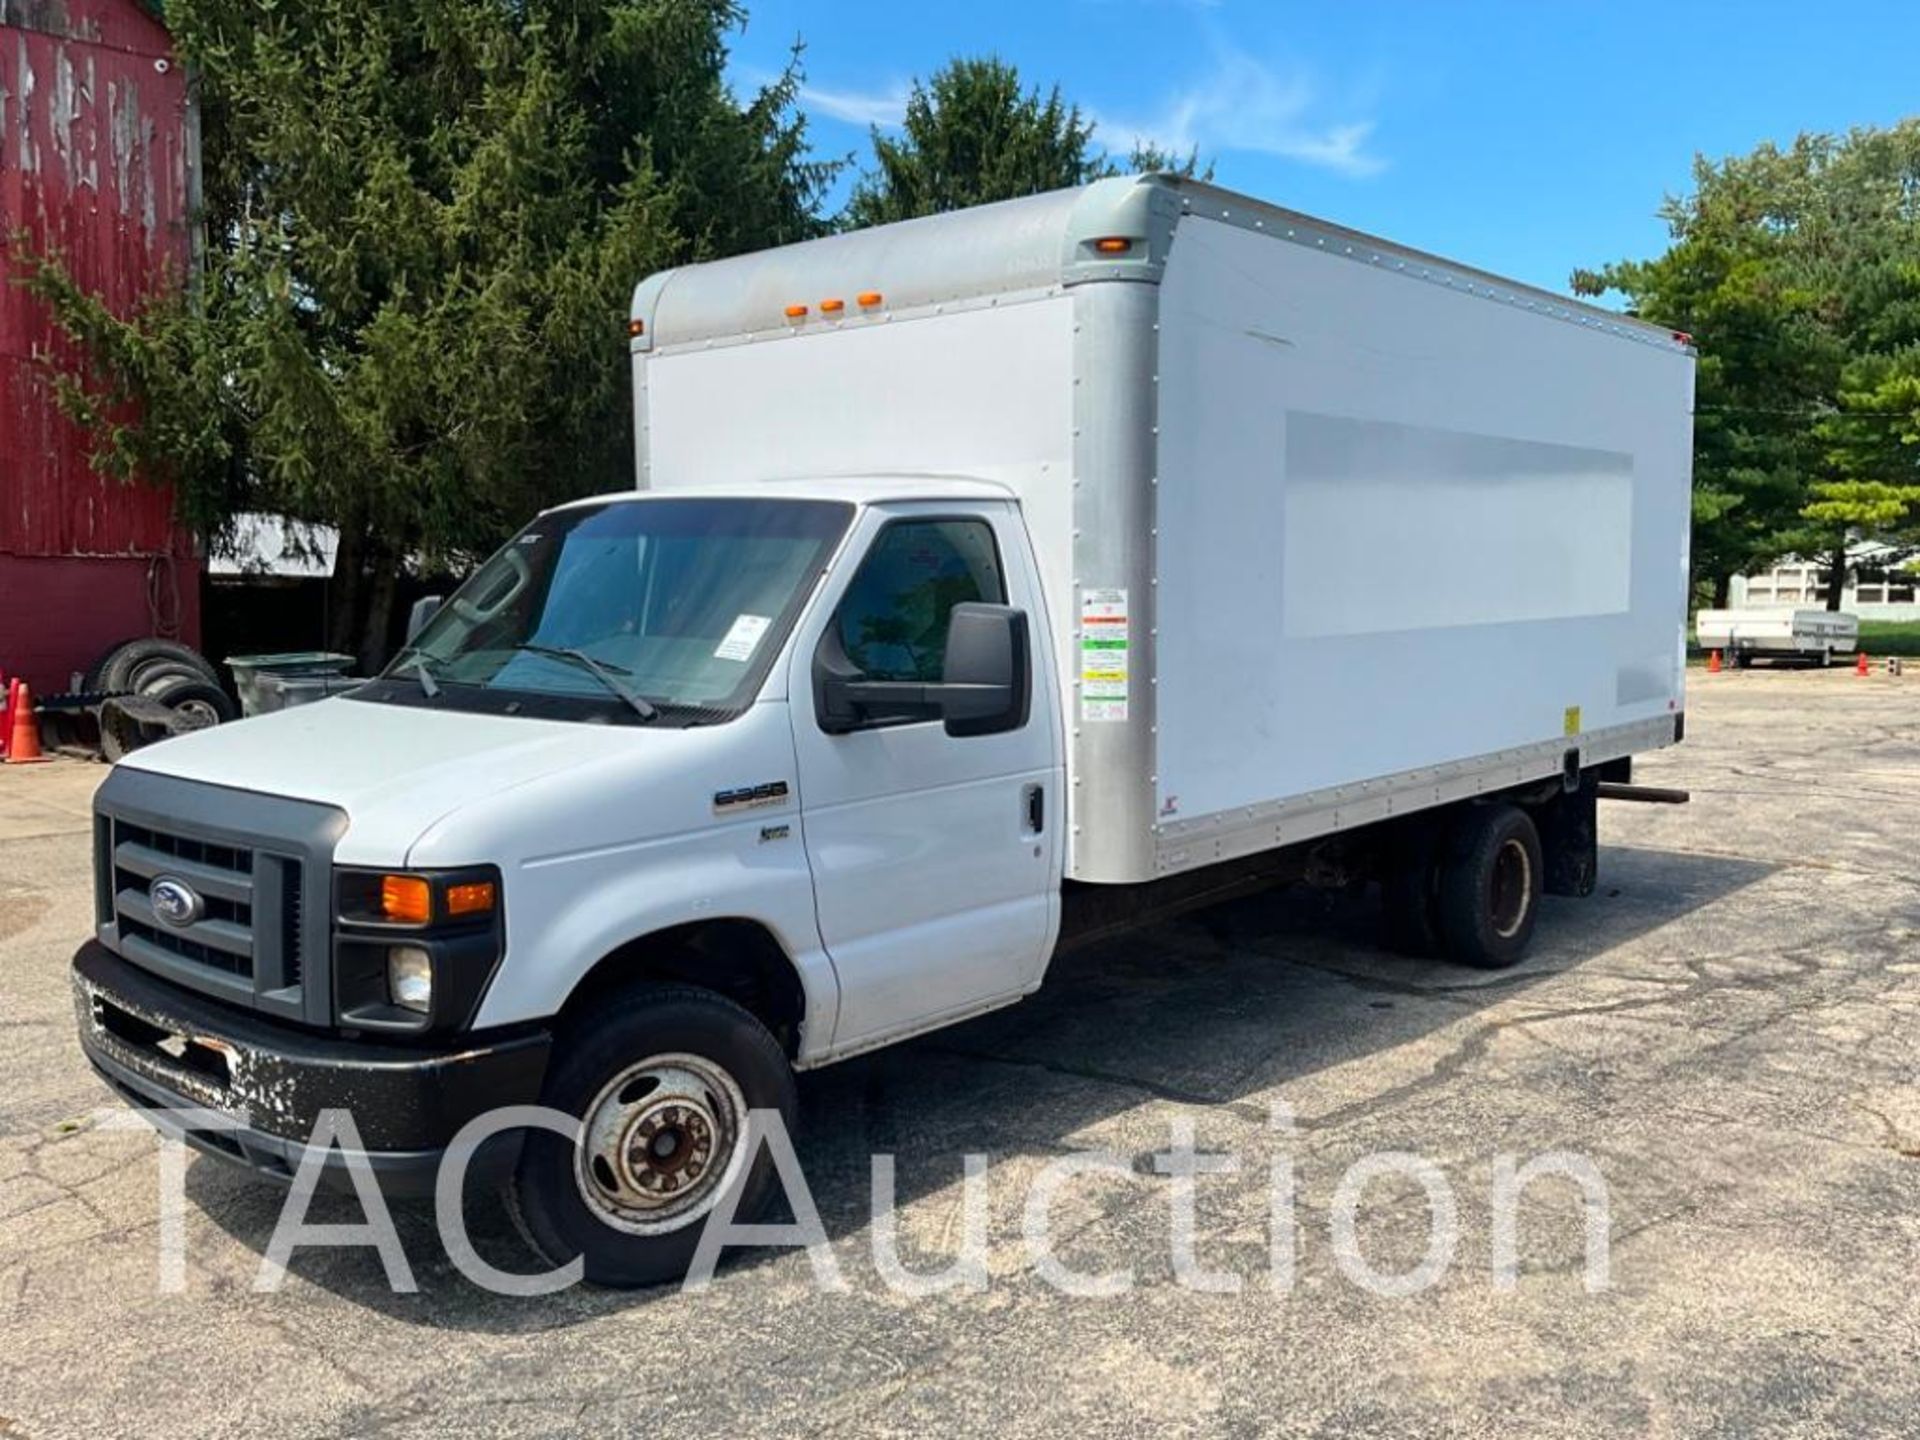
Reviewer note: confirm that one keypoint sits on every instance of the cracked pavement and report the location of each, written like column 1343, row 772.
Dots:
column 1726, row 1029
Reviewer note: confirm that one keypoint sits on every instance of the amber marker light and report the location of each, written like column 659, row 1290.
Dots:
column 867, row 299
column 474, row 899
column 1113, row 245
column 796, row 312
column 636, row 328
column 406, row 899
column 832, row 307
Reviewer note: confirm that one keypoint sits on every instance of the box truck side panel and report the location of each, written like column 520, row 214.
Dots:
column 1401, row 525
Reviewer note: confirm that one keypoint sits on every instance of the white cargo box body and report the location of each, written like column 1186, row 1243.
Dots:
column 1778, row 630
column 1330, row 530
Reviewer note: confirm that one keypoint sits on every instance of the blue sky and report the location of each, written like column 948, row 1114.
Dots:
column 1522, row 138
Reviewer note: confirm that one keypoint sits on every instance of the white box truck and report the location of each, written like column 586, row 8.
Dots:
column 993, row 581
column 1778, row 632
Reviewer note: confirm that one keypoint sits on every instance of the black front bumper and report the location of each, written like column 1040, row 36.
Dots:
column 164, row 1050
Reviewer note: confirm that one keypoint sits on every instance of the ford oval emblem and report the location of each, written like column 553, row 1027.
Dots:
column 176, row 902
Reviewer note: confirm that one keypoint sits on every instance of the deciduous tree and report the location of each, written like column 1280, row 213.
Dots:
column 1797, row 271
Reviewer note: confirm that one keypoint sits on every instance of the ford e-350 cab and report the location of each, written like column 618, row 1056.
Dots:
column 586, row 771
column 993, row 581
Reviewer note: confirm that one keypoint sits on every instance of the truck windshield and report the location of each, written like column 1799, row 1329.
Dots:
column 661, row 611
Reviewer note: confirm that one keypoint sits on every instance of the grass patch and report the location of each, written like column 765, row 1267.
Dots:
column 1890, row 637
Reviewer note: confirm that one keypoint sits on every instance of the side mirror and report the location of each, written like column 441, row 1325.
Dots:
column 424, row 609
column 986, row 684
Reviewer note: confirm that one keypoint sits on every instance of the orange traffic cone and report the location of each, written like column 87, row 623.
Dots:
column 24, row 748
column 1860, row 666
column 1713, row 662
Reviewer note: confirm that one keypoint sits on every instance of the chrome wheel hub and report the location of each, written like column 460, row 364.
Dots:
column 663, row 1139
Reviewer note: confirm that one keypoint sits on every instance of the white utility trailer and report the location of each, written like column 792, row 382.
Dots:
column 1778, row 633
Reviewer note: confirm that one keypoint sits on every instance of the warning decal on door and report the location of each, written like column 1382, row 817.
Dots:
column 1103, row 655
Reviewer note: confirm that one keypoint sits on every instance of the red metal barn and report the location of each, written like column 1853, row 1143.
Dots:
column 98, row 156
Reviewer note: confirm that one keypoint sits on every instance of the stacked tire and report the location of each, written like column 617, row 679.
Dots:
column 164, row 671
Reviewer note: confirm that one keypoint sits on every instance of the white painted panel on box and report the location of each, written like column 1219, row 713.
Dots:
column 953, row 394
column 1399, row 524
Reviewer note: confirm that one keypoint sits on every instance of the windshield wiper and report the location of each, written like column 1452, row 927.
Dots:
column 601, row 670
column 422, row 671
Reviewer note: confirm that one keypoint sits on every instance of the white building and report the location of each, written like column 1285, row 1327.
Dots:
column 1799, row 582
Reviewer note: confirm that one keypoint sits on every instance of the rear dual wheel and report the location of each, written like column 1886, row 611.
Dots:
column 1466, row 887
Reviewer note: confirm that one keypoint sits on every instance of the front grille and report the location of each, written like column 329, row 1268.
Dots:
column 221, row 937
column 187, row 949
column 250, row 937
column 290, row 912
column 185, row 847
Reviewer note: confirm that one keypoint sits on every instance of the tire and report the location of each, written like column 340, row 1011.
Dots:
column 1408, row 881
column 1489, row 887
column 154, row 675
column 198, row 703
column 121, row 667
column 119, row 735
column 721, row 1062
column 1743, row 660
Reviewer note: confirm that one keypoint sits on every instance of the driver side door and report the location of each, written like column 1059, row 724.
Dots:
column 935, row 858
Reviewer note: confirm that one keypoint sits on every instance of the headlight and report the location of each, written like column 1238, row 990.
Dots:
column 410, row 978
column 414, row 951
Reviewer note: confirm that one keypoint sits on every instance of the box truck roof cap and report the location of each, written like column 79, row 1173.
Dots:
column 1039, row 242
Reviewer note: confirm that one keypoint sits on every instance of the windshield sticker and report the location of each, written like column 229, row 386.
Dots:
column 745, row 634
column 1103, row 655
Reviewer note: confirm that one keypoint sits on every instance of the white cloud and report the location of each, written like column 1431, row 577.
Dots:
column 1248, row 104
column 884, row 108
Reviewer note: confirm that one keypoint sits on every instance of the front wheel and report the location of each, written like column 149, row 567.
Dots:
column 1489, row 887
column 662, row 1080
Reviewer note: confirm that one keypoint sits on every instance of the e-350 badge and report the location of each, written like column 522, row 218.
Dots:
column 750, row 797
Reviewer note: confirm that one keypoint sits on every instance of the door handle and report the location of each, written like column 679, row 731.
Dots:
column 1033, row 804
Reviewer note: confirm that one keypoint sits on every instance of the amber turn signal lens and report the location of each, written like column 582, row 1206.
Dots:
column 636, row 328
column 1113, row 245
column 475, row 899
column 406, row 899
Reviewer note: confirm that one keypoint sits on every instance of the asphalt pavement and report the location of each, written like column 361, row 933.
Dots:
column 1724, row 1033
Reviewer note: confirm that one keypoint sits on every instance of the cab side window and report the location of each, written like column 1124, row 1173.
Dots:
column 892, row 622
